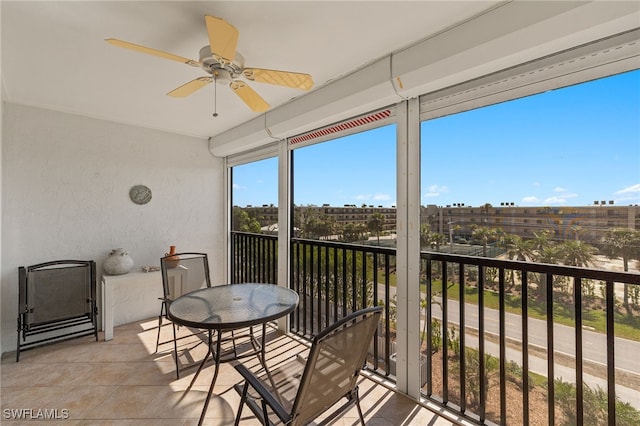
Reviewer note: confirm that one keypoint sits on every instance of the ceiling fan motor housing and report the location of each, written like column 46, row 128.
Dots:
column 219, row 68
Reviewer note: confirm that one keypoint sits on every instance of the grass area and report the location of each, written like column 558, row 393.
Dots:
column 625, row 327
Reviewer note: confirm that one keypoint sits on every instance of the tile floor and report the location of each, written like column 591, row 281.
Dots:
column 124, row 382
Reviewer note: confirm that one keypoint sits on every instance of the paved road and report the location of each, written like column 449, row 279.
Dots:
column 594, row 345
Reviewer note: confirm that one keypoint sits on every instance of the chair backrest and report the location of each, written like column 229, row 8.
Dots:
column 56, row 291
column 336, row 357
column 183, row 273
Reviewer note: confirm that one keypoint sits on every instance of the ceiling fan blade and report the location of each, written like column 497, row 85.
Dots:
column 249, row 96
column 223, row 37
column 281, row 78
column 190, row 87
column 150, row 51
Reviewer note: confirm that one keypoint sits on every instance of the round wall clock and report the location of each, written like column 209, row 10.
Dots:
column 140, row 194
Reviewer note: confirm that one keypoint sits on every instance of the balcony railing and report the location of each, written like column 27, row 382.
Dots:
column 334, row 279
column 254, row 258
column 502, row 324
column 492, row 331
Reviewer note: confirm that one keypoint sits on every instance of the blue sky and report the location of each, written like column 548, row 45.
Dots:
column 567, row 147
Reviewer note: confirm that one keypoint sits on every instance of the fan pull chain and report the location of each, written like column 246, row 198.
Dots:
column 215, row 97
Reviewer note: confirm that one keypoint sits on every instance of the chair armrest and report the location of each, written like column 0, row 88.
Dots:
column 264, row 393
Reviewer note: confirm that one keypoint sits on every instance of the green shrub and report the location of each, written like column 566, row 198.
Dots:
column 453, row 341
column 595, row 405
column 436, row 336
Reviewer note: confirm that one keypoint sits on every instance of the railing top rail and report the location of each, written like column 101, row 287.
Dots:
column 256, row 235
column 348, row 246
column 544, row 268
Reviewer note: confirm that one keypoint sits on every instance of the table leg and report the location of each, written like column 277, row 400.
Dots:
column 204, row 360
column 216, row 357
column 262, row 357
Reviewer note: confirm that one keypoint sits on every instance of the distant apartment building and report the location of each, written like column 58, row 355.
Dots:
column 587, row 223
column 267, row 215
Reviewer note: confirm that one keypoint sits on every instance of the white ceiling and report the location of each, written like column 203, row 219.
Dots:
column 54, row 55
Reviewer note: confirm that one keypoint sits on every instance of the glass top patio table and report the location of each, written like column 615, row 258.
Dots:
column 229, row 307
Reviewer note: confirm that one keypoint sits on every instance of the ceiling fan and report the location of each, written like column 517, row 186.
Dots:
column 221, row 61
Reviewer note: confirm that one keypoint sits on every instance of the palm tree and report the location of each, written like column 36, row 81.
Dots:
column 425, row 235
column 547, row 254
column 326, row 226
column 453, row 229
column 624, row 243
column 577, row 229
column 576, row 253
column 352, row 232
column 376, row 224
column 544, row 251
column 485, row 209
column 485, row 235
column 541, row 240
column 304, row 220
column 436, row 240
column 516, row 248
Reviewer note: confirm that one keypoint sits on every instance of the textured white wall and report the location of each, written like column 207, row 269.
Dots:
column 65, row 195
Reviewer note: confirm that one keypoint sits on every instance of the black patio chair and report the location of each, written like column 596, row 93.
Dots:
column 181, row 274
column 56, row 302
column 300, row 390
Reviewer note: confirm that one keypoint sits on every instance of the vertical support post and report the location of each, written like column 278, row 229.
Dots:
column 408, row 247
column 611, row 356
column 285, row 218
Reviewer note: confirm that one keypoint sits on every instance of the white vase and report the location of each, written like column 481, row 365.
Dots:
column 119, row 262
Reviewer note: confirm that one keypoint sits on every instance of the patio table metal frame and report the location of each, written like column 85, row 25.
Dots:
column 232, row 307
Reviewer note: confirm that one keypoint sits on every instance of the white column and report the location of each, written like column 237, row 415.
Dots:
column 408, row 249
column 284, row 220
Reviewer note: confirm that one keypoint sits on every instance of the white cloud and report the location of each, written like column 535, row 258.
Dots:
column 629, row 195
column 554, row 200
column 560, row 199
column 379, row 199
column 530, row 199
column 438, row 188
column 382, row 197
column 435, row 190
column 375, row 197
column 630, row 190
column 559, row 189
